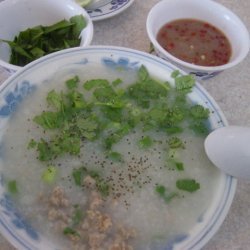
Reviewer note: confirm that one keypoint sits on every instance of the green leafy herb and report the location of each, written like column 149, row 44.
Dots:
column 184, row 82
column 77, row 216
column 143, row 73
column 55, row 100
column 175, row 73
column 188, row 185
column 32, row 144
column 199, row 127
column 49, row 174
column 78, row 175
column 95, row 83
column 70, row 231
column 179, row 166
column 151, row 48
column 199, row 112
column 117, row 82
column 73, row 82
column 12, row 187
column 166, row 195
column 38, row 41
column 175, row 142
column 115, row 156
column 101, row 185
column 145, row 142
column 49, row 120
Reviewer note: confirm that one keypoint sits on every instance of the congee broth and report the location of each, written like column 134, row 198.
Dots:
column 114, row 162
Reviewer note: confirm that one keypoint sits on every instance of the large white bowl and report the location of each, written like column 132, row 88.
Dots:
column 18, row 15
column 208, row 11
column 72, row 61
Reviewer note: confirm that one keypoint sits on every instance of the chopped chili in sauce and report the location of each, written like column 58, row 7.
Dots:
column 196, row 42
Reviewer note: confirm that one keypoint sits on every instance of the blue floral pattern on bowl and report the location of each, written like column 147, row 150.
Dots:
column 109, row 9
column 15, row 217
column 13, row 98
column 116, row 3
column 121, row 63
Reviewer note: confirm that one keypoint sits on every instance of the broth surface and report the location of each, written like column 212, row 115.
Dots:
column 196, row 42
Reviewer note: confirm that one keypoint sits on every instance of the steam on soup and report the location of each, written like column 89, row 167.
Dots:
column 110, row 163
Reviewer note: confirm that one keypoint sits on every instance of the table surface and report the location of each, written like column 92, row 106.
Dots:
column 230, row 89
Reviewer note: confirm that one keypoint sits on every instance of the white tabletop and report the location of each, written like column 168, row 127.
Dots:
column 231, row 90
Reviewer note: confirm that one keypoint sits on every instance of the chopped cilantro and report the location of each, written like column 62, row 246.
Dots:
column 88, row 85
column 101, row 185
column 12, row 187
column 115, row 156
column 199, row 128
column 78, row 175
column 70, row 231
column 32, row 144
column 55, row 100
column 165, row 194
column 145, row 142
column 175, row 73
column 199, row 112
column 179, row 166
column 188, row 185
column 184, row 83
column 117, row 82
column 77, row 215
column 143, row 73
column 49, row 174
column 49, row 120
column 73, row 82
column 175, row 142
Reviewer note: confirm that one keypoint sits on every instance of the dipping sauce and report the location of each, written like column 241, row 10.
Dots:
column 196, row 42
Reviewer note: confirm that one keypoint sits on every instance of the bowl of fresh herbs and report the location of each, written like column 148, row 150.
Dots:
column 30, row 29
column 102, row 148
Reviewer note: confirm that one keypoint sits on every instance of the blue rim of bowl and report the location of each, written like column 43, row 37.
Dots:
column 204, row 235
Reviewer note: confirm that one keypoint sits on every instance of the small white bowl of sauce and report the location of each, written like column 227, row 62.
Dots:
column 201, row 37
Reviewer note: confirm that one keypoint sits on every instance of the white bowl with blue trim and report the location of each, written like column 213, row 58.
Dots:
column 19, row 86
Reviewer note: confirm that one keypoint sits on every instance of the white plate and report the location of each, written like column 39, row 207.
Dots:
column 22, row 84
column 107, row 10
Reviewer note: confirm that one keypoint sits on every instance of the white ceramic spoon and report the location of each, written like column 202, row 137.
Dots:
column 229, row 149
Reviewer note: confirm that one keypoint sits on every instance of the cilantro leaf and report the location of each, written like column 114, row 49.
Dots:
column 70, row 231
column 199, row 112
column 32, row 144
column 72, row 82
column 145, row 142
column 143, row 73
column 49, row 174
column 165, row 194
column 179, row 166
column 115, row 156
column 188, row 185
column 77, row 216
column 175, row 142
column 88, row 85
column 78, row 175
column 184, row 82
column 12, row 187
column 49, row 120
